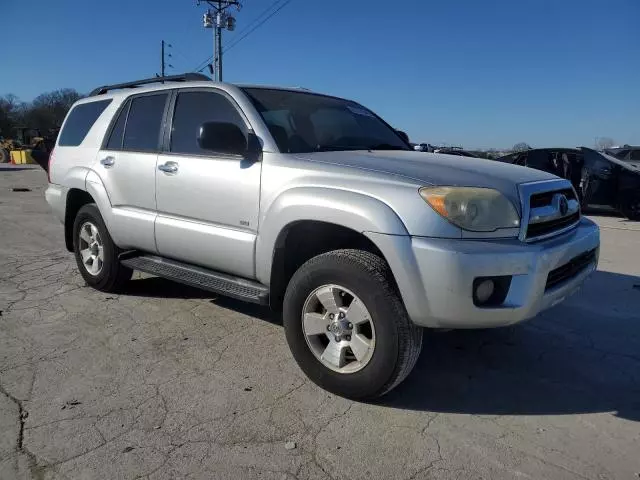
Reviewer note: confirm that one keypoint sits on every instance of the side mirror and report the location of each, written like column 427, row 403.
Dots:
column 403, row 135
column 222, row 137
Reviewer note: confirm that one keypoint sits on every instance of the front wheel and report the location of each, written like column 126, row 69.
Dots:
column 347, row 327
column 95, row 252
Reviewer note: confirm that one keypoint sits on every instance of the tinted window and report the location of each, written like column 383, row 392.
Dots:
column 538, row 159
column 79, row 122
column 322, row 123
column 191, row 111
column 143, row 123
column 635, row 154
column 115, row 140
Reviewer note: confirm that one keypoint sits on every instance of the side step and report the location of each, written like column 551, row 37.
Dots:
column 222, row 283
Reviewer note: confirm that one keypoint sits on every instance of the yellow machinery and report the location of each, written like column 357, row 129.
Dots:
column 18, row 150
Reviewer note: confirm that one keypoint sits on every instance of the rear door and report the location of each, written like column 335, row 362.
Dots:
column 208, row 202
column 127, row 166
column 599, row 180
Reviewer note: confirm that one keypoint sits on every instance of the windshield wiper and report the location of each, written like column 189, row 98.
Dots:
column 386, row 146
column 336, row 148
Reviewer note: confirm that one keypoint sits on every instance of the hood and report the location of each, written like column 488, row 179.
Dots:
column 437, row 169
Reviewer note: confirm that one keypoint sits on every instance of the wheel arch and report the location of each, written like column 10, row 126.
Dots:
column 305, row 222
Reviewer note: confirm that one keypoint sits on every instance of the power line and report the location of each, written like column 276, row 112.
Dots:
column 234, row 43
column 248, row 29
column 202, row 65
column 258, row 18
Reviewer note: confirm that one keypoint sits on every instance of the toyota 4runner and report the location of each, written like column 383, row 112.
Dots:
column 315, row 206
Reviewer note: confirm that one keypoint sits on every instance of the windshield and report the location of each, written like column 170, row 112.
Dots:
column 305, row 122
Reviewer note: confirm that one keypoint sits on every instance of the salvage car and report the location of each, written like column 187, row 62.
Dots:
column 602, row 181
column 313, row 205
column 610, row 182
column 626, row 152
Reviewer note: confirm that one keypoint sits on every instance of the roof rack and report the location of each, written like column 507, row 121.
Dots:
column 184, row 77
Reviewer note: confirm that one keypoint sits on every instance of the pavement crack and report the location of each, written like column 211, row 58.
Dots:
column 36, row 470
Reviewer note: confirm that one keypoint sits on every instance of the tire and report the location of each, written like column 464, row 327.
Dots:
column 4, row 155
column 110, row 275
column 396, row 342
column 631, row 208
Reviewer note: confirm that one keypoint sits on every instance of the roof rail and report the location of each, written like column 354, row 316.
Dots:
column 184, row 77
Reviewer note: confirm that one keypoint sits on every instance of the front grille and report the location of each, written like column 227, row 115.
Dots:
column 539, row 229
column 543, row 199
column 545, row 213
column 570, row 269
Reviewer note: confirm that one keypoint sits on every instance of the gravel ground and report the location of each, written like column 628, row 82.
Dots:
column 171, row 382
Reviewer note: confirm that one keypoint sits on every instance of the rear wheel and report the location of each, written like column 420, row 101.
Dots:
column 347, row 326
column 95, row 252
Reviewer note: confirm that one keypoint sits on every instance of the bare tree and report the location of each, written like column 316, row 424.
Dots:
column 603, row 143
column 47, row 111
column 11, row 111
column 521, row 147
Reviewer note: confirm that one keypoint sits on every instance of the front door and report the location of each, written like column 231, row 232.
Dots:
column 207, row 202
column 127, row 167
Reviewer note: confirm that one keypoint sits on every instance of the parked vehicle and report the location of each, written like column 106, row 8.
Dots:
column 601, row 180
column 315, row 206
column 626, row 152
column 455, row 151
column 610, row 182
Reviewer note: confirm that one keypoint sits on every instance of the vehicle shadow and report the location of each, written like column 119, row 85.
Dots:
column 16, row 169
column 157, row 287
column 582, row 356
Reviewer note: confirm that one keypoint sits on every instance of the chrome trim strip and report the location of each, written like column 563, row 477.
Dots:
column 552, row 212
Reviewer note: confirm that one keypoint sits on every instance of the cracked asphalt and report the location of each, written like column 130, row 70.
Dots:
column 169, row 382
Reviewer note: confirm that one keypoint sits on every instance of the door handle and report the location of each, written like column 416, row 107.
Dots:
column 169, row 167
column 108, row 162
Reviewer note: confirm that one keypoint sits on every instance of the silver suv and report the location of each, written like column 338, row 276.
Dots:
column 315, row 206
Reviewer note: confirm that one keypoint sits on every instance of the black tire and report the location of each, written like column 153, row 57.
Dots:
column 4, row 155
column 113, row 275
column 631, row 208
column 398, row 340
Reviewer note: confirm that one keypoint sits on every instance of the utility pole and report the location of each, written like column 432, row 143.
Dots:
column 217, row 18
column 162, row 61
column 163, row 57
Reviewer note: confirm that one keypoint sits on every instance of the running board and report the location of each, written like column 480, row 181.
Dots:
column 222, row 283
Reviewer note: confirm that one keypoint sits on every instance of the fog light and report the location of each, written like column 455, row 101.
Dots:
column 490, row 292
column 484, row 290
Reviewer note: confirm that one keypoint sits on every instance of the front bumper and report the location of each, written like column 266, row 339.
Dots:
column 435, row 276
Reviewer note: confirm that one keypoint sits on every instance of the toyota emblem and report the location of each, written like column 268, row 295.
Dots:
column 564, row 205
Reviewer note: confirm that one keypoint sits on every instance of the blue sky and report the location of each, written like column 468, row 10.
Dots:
column 469, row 72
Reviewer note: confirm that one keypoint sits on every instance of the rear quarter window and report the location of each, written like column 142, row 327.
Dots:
column 79, row 121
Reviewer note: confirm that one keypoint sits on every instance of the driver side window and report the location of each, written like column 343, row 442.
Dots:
column 191, row 111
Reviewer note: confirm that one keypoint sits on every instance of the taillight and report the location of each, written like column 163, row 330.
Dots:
column 49, row 162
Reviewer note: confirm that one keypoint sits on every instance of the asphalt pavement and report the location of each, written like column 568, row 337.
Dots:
column 168, row 382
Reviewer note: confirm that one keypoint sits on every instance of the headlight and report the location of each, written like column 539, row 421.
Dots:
column 470, row 208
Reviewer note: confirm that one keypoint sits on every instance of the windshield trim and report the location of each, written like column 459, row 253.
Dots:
column 247, row 91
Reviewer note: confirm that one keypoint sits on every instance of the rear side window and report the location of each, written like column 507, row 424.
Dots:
column 142, row 131
column 115, row 139
column 635, row 154
column 192, row 110
column 79, row 122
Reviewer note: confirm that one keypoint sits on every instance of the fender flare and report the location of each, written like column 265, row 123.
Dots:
column 356, row 211
column 94, row 187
